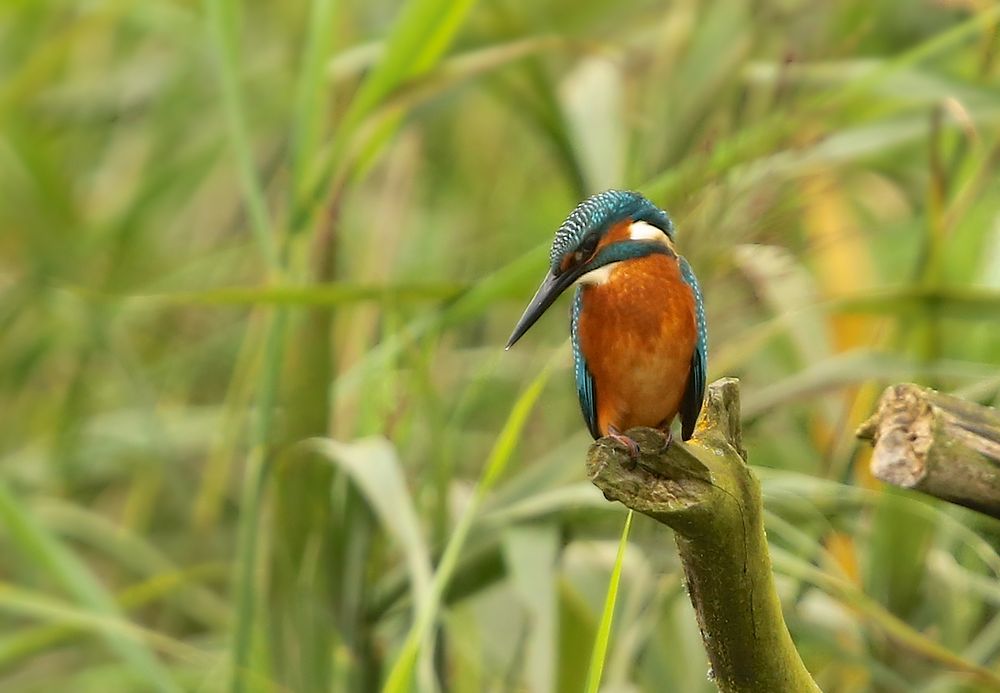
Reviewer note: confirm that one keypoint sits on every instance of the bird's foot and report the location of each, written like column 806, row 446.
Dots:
column 668, row 438
column 629, row 443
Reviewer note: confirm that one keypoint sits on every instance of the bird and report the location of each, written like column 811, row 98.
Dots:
column 637, row 323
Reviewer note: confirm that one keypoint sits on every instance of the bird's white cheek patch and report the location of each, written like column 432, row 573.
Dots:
column 601, row 275
column 642, row 231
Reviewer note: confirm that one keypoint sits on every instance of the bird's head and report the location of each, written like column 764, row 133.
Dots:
column 606, row 228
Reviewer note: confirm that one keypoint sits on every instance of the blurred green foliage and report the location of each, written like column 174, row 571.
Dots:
column 237, row 237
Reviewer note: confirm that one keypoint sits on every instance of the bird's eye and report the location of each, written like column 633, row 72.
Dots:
column 586, row 248
column 583, row 252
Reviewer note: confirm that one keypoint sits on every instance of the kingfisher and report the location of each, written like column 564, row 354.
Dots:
column 637, row 323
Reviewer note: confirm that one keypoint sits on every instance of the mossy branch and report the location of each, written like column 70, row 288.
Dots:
column 706, row 492
column 937, row 444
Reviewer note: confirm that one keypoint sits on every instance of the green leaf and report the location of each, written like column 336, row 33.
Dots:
column 596, row 126
column 530, row 553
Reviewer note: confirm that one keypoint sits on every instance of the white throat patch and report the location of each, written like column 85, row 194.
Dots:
column 641, row 231
column 637, row 231
column 601, row 275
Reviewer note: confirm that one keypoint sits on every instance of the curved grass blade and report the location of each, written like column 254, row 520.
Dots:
column 135, row 553
column 401, row 673
column 879, row 616
column 24, row 602
column 158, row 589
column 761, row 140
column 600, row 651
column 421, row 34
column 37, row 543
column 853, row 367
column 375, row 469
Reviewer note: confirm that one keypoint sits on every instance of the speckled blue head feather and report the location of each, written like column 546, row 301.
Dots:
column 600, row 212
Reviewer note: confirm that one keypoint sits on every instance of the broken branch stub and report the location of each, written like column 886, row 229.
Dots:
column 705, row 491
column 937, row 444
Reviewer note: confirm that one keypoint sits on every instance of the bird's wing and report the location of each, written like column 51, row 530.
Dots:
column 584, row 380
column 694, row 393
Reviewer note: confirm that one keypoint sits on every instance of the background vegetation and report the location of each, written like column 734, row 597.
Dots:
column 258, row 261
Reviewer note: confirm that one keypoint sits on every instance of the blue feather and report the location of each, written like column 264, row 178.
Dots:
column 598, row 213
column 584, row 380
column 694, row 393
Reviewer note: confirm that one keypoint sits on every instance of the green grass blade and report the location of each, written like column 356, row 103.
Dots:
column 531, row 555
column 375, row 469
column 66, row 625
column 328, row 294
column 131, row 552
column 27, row 603
column 38, row 544
column 223, row 24
column 477, row 301
column 853, row 367
column 255, row 477
column 311, row 110
column 401, row 673
column 959, row 302
column 420, row 35
column 879, row 616
column 600, row 651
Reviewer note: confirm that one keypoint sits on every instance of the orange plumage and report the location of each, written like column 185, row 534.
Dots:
column 637, row 332
column 637, row 324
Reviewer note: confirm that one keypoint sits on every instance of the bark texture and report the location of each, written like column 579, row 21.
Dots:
column 937, row 444
column 705, row 491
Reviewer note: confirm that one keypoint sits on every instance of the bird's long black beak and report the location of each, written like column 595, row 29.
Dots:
column 547, row 293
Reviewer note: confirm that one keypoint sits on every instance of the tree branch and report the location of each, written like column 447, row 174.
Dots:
column 937, row 444
column 705, row 491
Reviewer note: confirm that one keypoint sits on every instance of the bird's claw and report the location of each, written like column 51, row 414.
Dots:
column 633, row 447
column 629, row 443
column 668, row 438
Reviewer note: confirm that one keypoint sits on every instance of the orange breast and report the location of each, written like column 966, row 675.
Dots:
column 638, row 333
